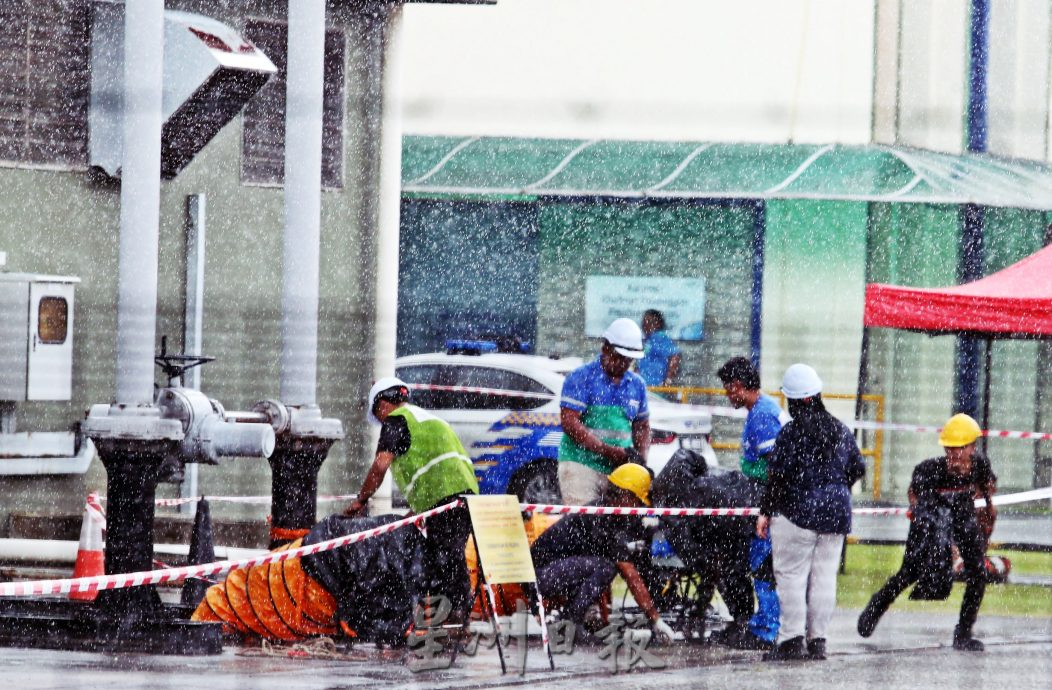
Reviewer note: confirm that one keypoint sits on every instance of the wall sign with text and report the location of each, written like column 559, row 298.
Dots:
column 681, row 300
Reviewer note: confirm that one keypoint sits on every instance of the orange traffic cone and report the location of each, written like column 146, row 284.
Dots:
column 90, row 556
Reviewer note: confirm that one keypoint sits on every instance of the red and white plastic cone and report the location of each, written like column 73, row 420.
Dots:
column 91, row 559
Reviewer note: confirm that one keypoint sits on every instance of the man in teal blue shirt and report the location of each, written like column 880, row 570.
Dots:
column 741, row 381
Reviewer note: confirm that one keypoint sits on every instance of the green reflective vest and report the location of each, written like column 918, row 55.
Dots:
column 436, row 466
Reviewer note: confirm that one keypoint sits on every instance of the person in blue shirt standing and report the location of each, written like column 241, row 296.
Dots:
column 661, row 357
column 741, row 382
column 604, row 415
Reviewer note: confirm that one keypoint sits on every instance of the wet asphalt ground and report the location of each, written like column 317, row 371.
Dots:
column 907, row 651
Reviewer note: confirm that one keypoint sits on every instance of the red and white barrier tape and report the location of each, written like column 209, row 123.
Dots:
column 1023, row 497
column 154, row 577
column 482, row 391
column 723, row 411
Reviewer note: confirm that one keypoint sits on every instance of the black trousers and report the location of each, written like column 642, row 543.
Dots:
column 444, row 565
column 581, row 580
column 970, row 545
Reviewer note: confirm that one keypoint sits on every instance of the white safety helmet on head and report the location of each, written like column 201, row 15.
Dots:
column 801, row 381
column 384, row 384
column 626, row 337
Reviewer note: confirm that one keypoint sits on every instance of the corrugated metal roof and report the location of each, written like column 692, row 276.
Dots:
column 500, row 166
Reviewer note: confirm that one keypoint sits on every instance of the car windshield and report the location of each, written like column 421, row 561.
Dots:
column 485, row 381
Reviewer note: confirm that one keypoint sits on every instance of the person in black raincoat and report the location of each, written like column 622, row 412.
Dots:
column 942, row 502
column 716, row 548
column 807, row 505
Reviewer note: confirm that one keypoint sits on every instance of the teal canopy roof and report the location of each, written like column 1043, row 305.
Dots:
column 498, row 166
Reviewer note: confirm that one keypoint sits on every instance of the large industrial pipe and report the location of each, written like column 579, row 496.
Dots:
column 303, row 133
column 140, row 201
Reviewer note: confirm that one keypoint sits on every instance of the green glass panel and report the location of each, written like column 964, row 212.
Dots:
column 621, row 165
column 853, row 171
column 501, row 163
column 740, row 169
column 916, row 245
column 420, row 154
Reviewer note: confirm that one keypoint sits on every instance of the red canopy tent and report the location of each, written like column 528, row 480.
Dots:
column 1015, row 302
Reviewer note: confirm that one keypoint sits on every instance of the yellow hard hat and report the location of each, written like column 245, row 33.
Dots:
column 634, row 478
column 959, row 431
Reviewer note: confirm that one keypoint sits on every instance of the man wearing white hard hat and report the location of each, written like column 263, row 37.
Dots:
column 431, row 468
column 604, row 414
column 807, row 507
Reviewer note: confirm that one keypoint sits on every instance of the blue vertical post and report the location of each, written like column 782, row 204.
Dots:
column 759, row 232
column 970, row 257
column 979, row 58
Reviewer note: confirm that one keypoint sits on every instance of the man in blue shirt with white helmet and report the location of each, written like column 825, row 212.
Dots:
column 604, row 415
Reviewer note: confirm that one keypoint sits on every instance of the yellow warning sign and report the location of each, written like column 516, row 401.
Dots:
column 503, row 549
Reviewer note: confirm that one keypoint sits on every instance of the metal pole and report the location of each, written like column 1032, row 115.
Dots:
column 303, row 136
column 140, row 201
column 986, row 389
column 970, row 264
column 756, row 311
column 193, row 318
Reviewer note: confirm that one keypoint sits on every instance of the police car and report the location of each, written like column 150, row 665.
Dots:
column 504, row 406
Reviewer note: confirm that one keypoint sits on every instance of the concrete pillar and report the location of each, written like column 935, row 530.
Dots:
column 303, row 131
column 140, row 201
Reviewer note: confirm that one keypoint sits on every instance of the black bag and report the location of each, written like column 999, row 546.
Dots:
column 929, row 553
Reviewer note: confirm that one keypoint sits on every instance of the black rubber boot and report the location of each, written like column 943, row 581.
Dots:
column 964, row 642
column 816, row 649
column 730, row 635
column 738, row 636
column 790, row 650
column 870, row 616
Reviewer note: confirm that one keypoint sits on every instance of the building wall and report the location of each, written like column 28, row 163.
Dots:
column 66, row 221
column 813, row 291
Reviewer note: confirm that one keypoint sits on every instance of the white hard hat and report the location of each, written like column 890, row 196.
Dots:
column 384, row 384
column 801, row 381
column 626, row 337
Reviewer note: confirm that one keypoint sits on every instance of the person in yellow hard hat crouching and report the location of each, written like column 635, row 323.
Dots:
column 577, row 558
column 942, row 497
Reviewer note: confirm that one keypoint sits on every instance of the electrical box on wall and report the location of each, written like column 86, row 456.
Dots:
column 36, row 336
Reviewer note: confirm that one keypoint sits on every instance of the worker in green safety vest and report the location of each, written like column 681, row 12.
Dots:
column 431, row 468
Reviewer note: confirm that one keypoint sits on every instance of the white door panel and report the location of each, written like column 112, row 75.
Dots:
column 50, row 375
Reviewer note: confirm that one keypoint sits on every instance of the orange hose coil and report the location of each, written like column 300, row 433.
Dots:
column 281, row 601
column 275, row 600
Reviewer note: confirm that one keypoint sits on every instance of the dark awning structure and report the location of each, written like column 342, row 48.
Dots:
column 523, row 167
column 1015, row 302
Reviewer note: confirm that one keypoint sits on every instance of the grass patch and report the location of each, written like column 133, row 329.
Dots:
column 868, row 567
